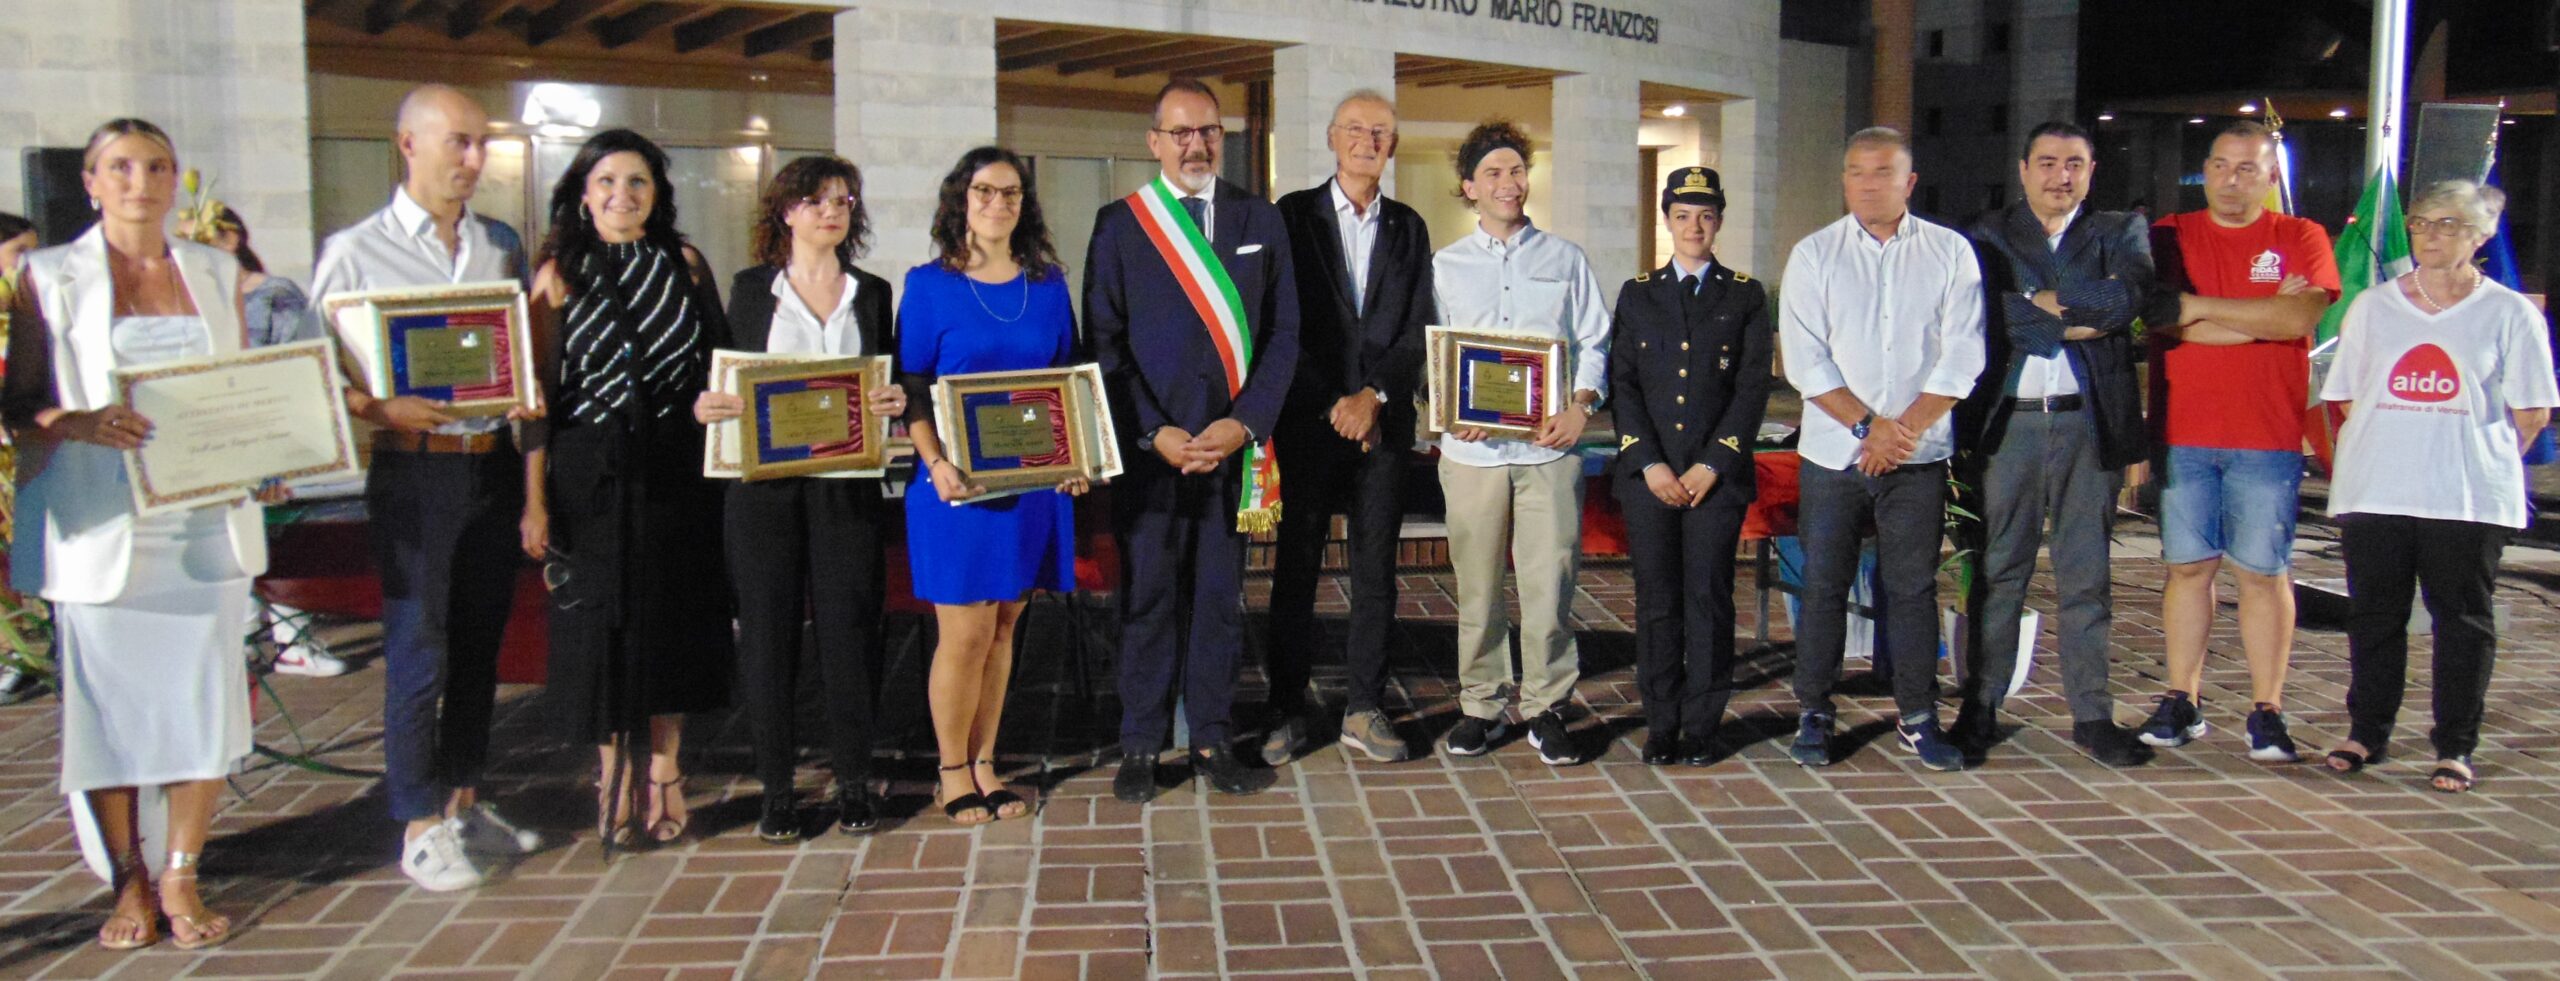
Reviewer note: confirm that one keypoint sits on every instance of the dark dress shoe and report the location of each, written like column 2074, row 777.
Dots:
column 2108, row 744
column 1136, row 781
column 1700, row 751
column 1225, row 773
column 856, row 812
column 1975, row 730
column 781, row 822
column 1661, row 748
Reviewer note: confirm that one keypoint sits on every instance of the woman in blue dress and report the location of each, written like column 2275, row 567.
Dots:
column 996, row 300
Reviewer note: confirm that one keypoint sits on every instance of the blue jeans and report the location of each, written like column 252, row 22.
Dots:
column 2238, row 505
column 445, row 543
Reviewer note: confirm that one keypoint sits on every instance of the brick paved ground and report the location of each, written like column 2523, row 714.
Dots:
column 2039, row 863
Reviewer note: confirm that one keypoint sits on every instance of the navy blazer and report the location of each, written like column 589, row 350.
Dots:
column 2103, row 275
column 1342, row 349
column 1157, row 360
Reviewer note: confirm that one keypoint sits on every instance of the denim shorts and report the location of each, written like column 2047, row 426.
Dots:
column 2234, row 504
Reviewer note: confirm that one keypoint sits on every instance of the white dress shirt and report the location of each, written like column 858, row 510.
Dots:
column 2041, row 376
column 1886, row 320
column 1534, row 283
column 1359, row 241
column 396, row 247
column 797, row 328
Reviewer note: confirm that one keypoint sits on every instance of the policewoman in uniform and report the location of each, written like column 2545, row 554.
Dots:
column 1689, row 388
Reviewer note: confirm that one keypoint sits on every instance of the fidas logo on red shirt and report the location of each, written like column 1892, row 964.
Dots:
column 2425, row 374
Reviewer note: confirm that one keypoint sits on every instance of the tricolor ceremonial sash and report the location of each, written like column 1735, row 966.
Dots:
column 1185, row 248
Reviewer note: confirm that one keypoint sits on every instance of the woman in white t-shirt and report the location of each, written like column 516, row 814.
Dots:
column 2444, row 376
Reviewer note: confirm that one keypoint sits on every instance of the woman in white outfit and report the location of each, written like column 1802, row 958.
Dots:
column 150, row 612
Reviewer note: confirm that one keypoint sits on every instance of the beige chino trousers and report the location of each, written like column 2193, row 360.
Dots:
column 1534, row 513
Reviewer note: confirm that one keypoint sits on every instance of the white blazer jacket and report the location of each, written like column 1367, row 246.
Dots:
column 75, row 516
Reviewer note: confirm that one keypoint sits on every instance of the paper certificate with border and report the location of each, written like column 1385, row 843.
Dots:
column 468, row 346
column 1016, row 431
column 1503, row 383
column 809, row 417
column 221, row 425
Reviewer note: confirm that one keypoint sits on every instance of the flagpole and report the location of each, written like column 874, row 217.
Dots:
column 2386, row 95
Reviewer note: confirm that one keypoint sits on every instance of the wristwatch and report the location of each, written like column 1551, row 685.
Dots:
column 1864, row 423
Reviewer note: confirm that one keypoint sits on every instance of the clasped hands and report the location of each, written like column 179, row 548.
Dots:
column 1888, row 444
column 1684, row 491
column 1194, row 455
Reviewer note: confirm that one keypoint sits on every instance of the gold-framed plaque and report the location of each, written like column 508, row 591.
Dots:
column 1503, row 383
column 720, row 439
column 223, row 424
column 468, row 346
column 804, row 418
column 1012, row 431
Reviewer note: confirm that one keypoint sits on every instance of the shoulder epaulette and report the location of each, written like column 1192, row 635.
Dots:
column 1642, row 276
column 1742, row 277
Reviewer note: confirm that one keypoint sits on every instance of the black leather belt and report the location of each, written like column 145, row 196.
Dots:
column 2049, row 403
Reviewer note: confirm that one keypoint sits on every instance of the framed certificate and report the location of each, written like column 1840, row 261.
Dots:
column 720, row 439
column 468, row 346
column 1505, row 384
column 808, row 417
column 221, row 425
column 1027, row 430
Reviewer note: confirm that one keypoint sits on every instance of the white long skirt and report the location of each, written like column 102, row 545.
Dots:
column 155, row 685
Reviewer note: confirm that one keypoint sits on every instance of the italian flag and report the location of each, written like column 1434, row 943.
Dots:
column 2372, row 251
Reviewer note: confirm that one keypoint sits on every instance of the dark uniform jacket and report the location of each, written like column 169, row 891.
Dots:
column 2102, row 273
column 1689, row 378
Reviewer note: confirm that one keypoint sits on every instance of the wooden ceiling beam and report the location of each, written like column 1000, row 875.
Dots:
column 1041, row 42
column 614, row 32
column 1243, row 77
column 562, row 15
column 1154, row 48
column 796, row 32
column 823, row 50
column 1511, row 80
column 467, row 17
column 1216, row 55
column 1104, row 44
column 723, row 24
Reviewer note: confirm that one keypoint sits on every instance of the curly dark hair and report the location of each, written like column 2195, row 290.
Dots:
column 1488, row 136
column 800, row 179
column 573, row 233
column 1030, row 244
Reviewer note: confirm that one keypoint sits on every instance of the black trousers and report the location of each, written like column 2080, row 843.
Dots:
column 2456, row 563
column 1684, row 609
column 808, row 548
column 446, row 546
column 1909, row 507
column 1181, row 601
column 1321, row 475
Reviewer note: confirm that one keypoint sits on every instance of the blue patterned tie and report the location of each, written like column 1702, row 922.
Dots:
column 1197, row 209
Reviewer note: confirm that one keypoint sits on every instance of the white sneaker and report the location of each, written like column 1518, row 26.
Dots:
column 483, row 828
column 309, row 663
column 435, row 862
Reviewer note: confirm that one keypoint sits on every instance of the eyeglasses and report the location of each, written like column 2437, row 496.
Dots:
column 990, row 192
column 2447, row 227
column 819, row 202
column 1205, row 134
column 1376, row 135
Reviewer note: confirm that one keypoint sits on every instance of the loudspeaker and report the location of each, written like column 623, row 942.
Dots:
column 2452, row 142
column 55, row 200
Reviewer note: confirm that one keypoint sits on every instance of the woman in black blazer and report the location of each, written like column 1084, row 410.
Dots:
column 809, row 544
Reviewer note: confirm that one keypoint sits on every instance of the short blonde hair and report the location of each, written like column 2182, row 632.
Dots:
column 2478, row 205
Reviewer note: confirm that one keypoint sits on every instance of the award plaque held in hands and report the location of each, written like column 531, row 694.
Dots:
column 1027, row 430
column 811, row 417
column 1505, row 384
column 467, row 346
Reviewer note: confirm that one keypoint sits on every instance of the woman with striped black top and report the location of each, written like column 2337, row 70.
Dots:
column 615, row 500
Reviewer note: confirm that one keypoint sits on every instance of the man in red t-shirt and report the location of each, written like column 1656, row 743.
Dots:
column 2229, row 387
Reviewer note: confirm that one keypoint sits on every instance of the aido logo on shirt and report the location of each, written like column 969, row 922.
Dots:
column 2266, row 267
column 2425, row 374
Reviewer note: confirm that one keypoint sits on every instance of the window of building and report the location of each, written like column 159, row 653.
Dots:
column 1999, row 40
column 1937, row 43
column 1931, row 119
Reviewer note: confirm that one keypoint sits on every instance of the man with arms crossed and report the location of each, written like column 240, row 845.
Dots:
column 1364, row 296
column 1880, row 328
column 2242, row 289
column 443, row 495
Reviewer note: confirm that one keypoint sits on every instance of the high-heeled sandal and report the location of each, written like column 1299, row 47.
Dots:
column 963, row 804
column 2344, row 761
column 128, row 870
column 1002, row 798
column 209, row 927
column 2453, row 775
column 660, row 830
column 622, row 832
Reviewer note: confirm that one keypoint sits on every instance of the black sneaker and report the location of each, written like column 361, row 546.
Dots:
column 1554, row 743
column 2108, row 744
column 2174, row 721
column 1975, row 729
column 2268, row 742
column 1473, row 735
column 1136, row 781
column 1923, row 740
column 781, row 823
column 856, row 813
column 1813, row 739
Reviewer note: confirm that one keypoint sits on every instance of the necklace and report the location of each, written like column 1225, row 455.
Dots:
column 991, row 311
column 2420, row 278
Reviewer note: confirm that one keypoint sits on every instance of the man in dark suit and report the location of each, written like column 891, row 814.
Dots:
column 1364, row 298
column 2049, row 428
column 1690, row 382
column 1193, row 313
